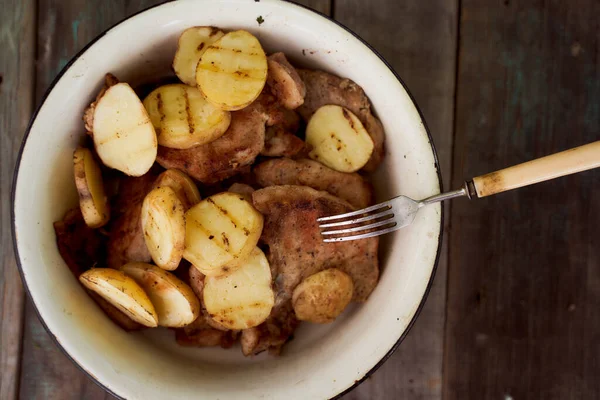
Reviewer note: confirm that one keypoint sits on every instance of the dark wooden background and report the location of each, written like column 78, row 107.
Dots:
column 515, row 309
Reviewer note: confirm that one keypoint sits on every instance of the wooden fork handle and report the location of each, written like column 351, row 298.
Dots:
column 542, row 169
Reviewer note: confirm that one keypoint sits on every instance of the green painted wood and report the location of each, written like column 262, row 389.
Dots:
column 418, row 38
column 17, row 53
column 524, row 276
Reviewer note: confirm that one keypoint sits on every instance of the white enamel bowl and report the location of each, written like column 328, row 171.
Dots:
column 322, row 361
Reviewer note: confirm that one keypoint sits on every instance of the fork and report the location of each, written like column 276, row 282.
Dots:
column 400, row 211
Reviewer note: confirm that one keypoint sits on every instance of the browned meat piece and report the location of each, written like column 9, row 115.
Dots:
column 280, row 143
column 88, row 114
column 243, row 189
column 200, row 334
column 290, row 121
column 238, row 147
column 272, row 334
column 283, row 171
column 323, row 88
column 83, row 248
column 285, row 81
column 296, row 249
column 80, row 246
column 126, row 240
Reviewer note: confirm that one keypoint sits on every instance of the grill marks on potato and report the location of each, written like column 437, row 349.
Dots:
column 183, row 117
column 221, row 231
column 232, row 72
column 338, row 139
column 192, row 43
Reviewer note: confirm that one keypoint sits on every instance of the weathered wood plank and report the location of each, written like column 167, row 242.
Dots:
column 323, row 6
column 419, row 39
column 17, row 53
column 63, row 29
column 524, row 277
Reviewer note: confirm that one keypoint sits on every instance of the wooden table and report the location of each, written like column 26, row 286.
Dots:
column 515, row 309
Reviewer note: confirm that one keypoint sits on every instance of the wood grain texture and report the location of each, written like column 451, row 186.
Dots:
column 419, row 39
column 17, row 55
column 524, row 276
column 63, row 29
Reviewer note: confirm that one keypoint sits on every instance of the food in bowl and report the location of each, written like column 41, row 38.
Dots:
column 272, row 148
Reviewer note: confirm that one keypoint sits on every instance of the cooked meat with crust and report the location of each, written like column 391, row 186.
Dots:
column 347, row 186
column 243, row 189
column 126, row 239
column 80, row 246
column 280, row 143
column 323, row 88
column 88, row 114
column 290, row 120
column 296, row 249
column 285, row 81
column 272, row 334
column 238, row 147
column 200, row 334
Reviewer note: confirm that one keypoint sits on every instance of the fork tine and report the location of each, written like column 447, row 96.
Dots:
column 363, row 235
column 386, row 205
column 357, row 220
column 360, row 228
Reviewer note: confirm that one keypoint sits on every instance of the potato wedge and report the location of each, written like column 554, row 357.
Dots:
column 90, row 187
column 182, row 184
column 123, row 134
column 338, row 139
column 220, row 233
column 163, row 224
column 232, row 71
column 192, row 43
column 244, row 298
column 183, row 118
column 122, row 292
column 174, row 301
column 323, row 296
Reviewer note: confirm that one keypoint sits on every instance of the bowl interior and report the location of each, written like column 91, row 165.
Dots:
column 322, row 361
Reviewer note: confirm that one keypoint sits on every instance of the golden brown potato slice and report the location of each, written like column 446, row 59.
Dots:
column 175, row 303
column 122, row 292
column 338, row 139
column 321, row 297
column 232, row 71
column 285, row 82
column 182, row 184
column 243, row 298
column 163, row 223
column 90, row 187
column 123, row 134
column 220, row 233
column 183, row 118
column 192, row 43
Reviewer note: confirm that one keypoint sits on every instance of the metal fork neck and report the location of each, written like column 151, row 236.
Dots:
column 443, row 196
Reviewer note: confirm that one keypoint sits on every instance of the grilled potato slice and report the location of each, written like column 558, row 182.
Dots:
column 175, row 302
column 183, row 118
column 88, row 181
column 232, row 71
column 220, row 233
column 163, row 224
column 338, row 139
column 244, row 298
column 123, row 134
column 182, row 184
column 323, row 296
column 122, row 292
column 193, row 42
